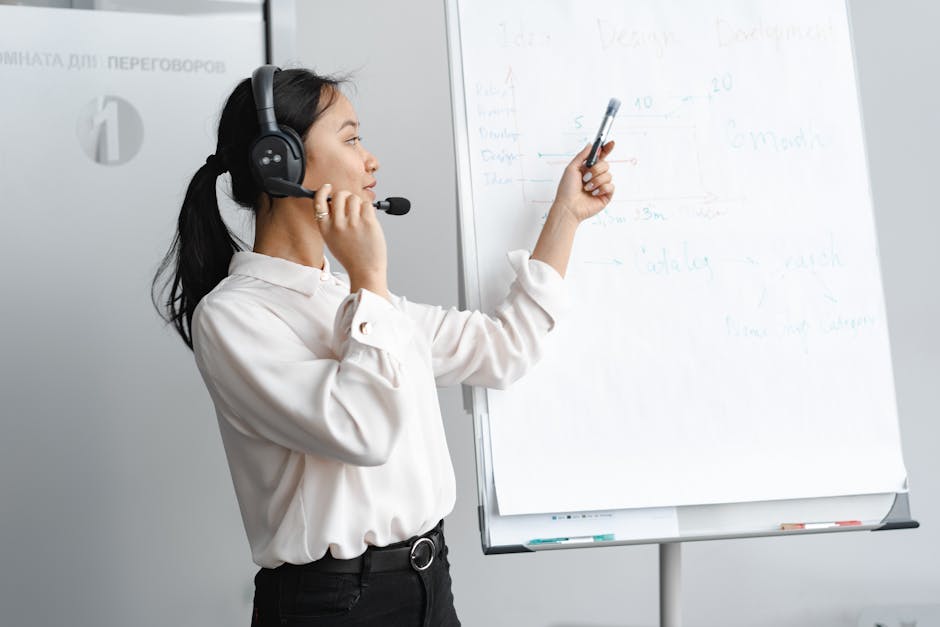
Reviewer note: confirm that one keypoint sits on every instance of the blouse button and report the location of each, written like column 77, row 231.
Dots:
column 365, row 328
column 324, row 276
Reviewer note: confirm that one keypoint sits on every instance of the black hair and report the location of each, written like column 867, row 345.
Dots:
column 203, row 245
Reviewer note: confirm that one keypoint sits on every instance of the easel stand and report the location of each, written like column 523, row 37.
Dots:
column 670, row 584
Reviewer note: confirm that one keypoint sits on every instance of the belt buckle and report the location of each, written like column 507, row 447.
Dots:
column 414, row 553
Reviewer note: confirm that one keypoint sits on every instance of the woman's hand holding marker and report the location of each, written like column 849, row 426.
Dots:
column 593, row 170
column 584, row 191
column 586, row 187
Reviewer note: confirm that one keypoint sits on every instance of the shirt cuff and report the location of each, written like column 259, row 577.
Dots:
column 541, row 282
column 370, row 320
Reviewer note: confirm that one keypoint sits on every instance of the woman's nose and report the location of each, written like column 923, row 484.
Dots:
column 372, row 164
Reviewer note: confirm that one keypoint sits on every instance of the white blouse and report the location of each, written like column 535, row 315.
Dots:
column 326, row 400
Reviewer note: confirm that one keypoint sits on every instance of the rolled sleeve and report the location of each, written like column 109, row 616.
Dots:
column 366, row 320
column 541, row 282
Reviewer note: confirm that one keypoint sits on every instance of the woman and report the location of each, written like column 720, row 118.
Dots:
column 324, row 384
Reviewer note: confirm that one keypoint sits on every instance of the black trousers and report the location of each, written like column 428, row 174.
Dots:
column 295, row 596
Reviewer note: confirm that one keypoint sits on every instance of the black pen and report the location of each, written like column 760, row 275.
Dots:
column 612, row 107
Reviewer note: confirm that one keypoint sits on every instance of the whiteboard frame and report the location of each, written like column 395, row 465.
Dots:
column 883, row 511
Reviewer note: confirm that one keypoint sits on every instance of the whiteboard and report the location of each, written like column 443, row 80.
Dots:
column 726, row 341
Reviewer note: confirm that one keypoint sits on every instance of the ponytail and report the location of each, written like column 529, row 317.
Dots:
column 201, row 250
column 203, row 245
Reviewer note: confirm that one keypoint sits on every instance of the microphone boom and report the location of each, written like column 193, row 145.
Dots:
column 393, row 206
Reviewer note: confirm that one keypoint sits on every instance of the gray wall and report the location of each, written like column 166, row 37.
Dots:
column 398, row 52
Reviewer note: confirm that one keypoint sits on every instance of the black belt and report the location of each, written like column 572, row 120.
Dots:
column 417, row 553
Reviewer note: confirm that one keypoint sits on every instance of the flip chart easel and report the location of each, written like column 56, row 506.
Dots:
column 724, row 367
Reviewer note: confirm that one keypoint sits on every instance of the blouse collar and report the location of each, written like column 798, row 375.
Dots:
column 279, row 271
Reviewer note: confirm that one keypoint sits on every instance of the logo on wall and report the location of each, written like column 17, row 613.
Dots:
column 110, row 130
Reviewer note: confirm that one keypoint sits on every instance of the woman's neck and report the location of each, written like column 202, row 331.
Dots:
column 289, row 232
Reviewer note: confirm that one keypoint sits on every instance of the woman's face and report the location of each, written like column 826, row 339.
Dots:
column 335, row 154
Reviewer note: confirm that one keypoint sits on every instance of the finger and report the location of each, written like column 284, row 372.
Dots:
column 580, row 158
column 321, row 207
column 595, row 170
column 339, row 208
column 368, row 210
column 606, row 149
column 354, row 211
column 606, row 190
column 597, row 181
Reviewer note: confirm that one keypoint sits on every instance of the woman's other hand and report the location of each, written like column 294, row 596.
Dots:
column 353, row 234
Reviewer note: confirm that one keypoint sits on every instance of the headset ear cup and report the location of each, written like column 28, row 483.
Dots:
column 278, row 154
column 297, row 166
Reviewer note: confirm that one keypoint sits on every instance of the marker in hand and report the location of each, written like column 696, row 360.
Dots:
column 612, row 107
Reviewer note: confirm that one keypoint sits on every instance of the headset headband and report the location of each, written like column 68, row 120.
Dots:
column 262, row 88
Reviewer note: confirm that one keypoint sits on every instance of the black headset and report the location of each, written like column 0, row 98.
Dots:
column 277, row 158
column 278, row 152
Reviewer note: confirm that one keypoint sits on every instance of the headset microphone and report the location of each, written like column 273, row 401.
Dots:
column 393, row 206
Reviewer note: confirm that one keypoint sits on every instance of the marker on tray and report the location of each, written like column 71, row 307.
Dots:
column 819, row 525
column 604, row 537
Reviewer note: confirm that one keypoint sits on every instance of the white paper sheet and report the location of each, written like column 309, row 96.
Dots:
column 728, row 339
